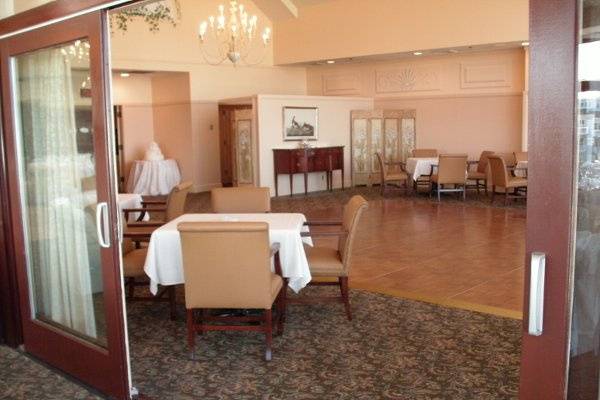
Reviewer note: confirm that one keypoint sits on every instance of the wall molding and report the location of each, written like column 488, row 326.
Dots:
column 345, row 83
column 483, row 75
column 407, row 78
column 449, row 96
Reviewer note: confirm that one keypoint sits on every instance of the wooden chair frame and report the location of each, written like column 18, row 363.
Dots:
column 131, row 283
column 479, row 183
column 197, row 322
column 385, row 184
column 342, row 281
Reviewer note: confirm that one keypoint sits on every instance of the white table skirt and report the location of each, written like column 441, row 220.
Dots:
column 521, row 173
column 164, row 264
column 130, row 200
column 417, row 166
column 153, row 177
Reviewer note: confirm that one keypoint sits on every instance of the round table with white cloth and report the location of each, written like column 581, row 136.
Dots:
column 153, row 177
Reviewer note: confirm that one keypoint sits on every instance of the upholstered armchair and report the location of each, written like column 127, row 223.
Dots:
column 512, row 186
column 424, row 153
column 326, row 262
column 133, row 272
column 228, row 265
column 479, row 175
column 171, row 208
column 241, row 200
column 451, row 170
column 391, row 176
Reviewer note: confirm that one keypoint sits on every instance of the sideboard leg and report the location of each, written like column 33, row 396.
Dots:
column 291, row 185
column 305, row 183
column 276, row 186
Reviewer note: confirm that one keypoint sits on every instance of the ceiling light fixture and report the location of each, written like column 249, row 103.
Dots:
column 231, row 37
column 125, row 74
column 418, row 53
column 525, row 44
column 330, row 61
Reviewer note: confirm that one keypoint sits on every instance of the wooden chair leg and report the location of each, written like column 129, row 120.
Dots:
column 345, row 296
column 172, row 302
column 505, row 196
column 268, row 333
column 130, row 287
column 464, row 193
column 493, row 193
column 485, row 187
column 281, row 308
column 477, row 184
column 191, row 334
column 439, row 193
column 203, row 313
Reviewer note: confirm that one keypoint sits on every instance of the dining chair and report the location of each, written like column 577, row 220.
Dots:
column 502, row 179
column 171, row 208
column 451, row 170
column 425, row 153
column 246, row 199
column 227, row 265
column 133, row 272
column 327, row 262
column 479, row 175
column 520, row 156
column 389, row 175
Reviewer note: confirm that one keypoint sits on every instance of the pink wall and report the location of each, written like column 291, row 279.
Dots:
column 465, row 124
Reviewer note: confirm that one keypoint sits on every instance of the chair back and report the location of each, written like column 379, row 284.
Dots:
column 226, row 264
column 176, row 200
column 351, row 215
column 520, row 156
column 241, row 200
column 452, row 168
column 483, row 161
column 425, row 153
column 382, row 169
column 498, row 169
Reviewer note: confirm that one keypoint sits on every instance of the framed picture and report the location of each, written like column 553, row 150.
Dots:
column 300, row 123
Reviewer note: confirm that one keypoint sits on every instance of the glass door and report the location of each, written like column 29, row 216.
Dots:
column 61, row 188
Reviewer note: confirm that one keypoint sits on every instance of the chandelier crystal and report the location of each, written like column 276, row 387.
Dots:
column 232, row 37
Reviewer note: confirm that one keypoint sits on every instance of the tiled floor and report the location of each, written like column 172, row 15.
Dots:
column 447, row 253
column 469, row 255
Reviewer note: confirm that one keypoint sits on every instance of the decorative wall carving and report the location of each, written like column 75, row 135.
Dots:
column 342, row 84
column 484, row 75
column 407, row 79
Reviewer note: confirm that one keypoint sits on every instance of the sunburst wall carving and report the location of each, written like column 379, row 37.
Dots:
column 406, row 79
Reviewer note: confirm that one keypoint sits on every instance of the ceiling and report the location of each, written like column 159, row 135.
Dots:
column 277, row 10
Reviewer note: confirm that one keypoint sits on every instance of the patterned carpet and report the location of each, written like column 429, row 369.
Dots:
column 393, row 349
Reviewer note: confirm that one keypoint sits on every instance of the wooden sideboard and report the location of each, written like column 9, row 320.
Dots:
column 305, row 161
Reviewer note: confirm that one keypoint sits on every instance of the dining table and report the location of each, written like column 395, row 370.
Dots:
column 418, row 166
column 164, row 261
column 131, row 200
column 521, row 169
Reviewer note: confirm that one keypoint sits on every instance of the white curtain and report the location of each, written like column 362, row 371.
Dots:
column 55, row 213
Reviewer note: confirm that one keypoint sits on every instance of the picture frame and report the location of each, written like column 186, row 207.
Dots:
column 300, row 123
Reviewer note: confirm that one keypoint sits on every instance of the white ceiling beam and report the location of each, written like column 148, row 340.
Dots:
column 277, row 10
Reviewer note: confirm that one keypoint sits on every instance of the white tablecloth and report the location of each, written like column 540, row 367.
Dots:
column 417, row 166
column 130, row 200
column 164, row 263
column 521, row 173
column 153, row 177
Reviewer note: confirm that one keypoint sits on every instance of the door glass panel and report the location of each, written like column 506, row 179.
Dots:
column 53, row 125
column 585, row 324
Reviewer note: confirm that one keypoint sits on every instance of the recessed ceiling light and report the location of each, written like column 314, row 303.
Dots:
column 125, row 74
column 452, row 51
column 418, row 53
column 330, row 61
column 525, row 44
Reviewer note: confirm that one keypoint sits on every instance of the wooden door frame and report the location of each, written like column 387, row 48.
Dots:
column 550, row 216
column 41, row 339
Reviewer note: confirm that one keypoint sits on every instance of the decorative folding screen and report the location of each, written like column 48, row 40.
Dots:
column 243, row 147
column 390, row 132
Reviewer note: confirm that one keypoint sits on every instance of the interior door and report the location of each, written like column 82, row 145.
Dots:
column 61, row 189
column 561, row 329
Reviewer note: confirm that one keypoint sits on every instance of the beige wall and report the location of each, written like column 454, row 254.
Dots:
column 464, row 103
column 333, row 130
column 353, row 28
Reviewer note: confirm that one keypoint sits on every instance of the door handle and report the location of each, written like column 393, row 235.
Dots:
column 536, row 293
column 102, row 224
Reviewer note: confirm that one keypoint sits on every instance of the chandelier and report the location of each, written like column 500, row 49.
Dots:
column 232, row 37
